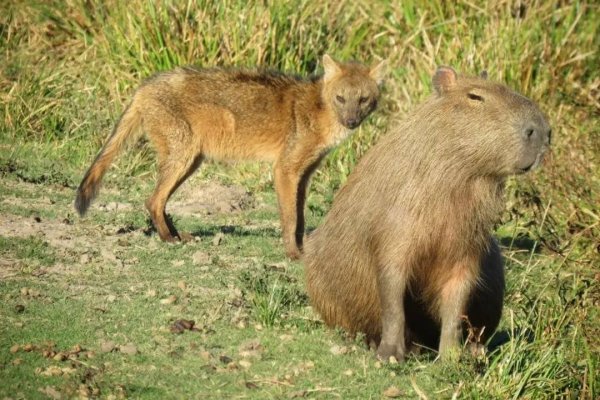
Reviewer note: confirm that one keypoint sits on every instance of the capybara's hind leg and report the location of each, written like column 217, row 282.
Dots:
column 172, row 173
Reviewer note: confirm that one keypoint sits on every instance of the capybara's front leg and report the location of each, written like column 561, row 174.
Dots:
column 453, row 301
column 392, row 286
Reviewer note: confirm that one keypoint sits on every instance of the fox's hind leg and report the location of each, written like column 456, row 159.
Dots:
column 178, row 158
column 172, row 173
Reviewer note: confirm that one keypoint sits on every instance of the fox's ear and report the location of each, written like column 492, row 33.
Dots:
column 331, row 67
column 444, row 79
column 379, row 72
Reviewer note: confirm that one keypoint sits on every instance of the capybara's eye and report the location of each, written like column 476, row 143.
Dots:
column 474, row 96
column 363, row 100
column 340, row 99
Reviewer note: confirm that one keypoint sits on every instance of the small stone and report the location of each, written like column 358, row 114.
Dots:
column 392, row 392
column 48, row 354
column 225, row 359
column 218, row 239
column 348, row 372
column 14, row 348
column 233, row 366
column 169, row 300
column 129, row 349
column 67, row 370
column 84, row 391
column 200, row 258
column 250, row 348
column 298, row 394
column 337, row 350
column 51, row 392
column 181, row 285
column 245, row 364
column 52, row 370
column 28, row 347
column 182, row 325
column 60, row 356
column 107, row 347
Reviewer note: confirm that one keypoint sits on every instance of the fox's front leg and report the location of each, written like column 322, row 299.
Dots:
column 287, row 180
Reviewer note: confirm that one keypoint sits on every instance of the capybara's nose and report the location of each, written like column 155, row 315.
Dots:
column 534, row 133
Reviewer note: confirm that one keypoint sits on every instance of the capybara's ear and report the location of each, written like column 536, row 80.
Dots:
column 483, row 74
column 331, row 68
column 379, row 72
column 444, row 79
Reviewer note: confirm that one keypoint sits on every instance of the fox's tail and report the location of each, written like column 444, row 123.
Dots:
column 128, row 125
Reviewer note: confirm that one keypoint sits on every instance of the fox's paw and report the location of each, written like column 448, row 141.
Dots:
column 186, row 237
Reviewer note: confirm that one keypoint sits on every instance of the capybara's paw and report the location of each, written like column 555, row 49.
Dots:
column 386, row 350
column 450, row 354
column 186, row 237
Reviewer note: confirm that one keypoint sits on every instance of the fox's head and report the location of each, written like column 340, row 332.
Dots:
column 352, row 89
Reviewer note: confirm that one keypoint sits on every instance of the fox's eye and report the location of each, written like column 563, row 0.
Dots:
column 474, row 96
column 363, row 100
column 340, row 99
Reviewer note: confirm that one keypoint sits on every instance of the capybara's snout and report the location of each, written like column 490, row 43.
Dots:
column 535, row 139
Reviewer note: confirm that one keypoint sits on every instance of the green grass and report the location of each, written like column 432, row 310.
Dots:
column 69, row 68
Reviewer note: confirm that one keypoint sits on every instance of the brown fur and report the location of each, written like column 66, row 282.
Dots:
column 192, row 114
column 406, row 247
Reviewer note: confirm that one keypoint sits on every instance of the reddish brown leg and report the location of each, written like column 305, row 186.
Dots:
column 286, row 186
column 172, row 173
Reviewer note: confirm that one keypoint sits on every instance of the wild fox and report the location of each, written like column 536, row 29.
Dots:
column 191, row 114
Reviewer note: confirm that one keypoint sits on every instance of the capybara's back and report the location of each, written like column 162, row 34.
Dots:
column 412, row 226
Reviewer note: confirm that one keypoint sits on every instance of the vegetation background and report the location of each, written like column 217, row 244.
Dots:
column 88, row 307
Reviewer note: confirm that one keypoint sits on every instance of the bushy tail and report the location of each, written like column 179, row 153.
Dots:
column 88, row 189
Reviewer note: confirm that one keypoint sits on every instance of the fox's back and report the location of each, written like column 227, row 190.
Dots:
column 236, row 114
column 240, row 91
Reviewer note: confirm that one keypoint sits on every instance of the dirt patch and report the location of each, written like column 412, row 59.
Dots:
column 208, row 198
column 71, row 243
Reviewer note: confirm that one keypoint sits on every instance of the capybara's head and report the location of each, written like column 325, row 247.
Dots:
column 352, row 89
column 500, row 131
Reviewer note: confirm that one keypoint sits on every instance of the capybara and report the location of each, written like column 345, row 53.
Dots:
column 191, row 114
column 406, row 249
